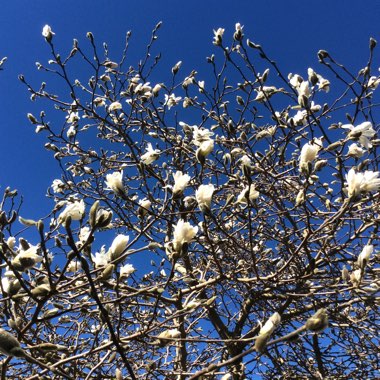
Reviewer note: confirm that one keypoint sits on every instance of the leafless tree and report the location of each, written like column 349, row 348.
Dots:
column 243, row 210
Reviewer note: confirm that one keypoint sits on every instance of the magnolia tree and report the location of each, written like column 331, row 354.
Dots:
column 218, row 229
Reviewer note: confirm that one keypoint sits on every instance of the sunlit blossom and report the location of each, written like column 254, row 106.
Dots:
column 303, row 93
column 114, row 182
column 355, row 151
column 126, row 270
column 74, row 209
column 144, row 206
column 73, row 117
column 9, row 282
column 171, row 100
column 362, row 182
column 151, row 155
column 308, row 154
column 74, row 266
column 364, row 256
column 218, row 34
column 183, row 233
column 249, row 193
column 271, row 324
column 47, row 32
column 362, row 132
column 238, row 35
column 200, row 135
column 118, row 245
column 373, row 82
column 265, row 92
column 57, row 186
column 114, row 106
column 204, row 195
column 180, row 182
column 205, row 148
column 27, row 259
column 101, row 258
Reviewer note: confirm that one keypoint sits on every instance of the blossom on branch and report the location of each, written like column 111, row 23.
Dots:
column 114, row 182
column 171, row 101
column 183, row 233
column 362, row 132
column 362, row 182
column 151, row 155
column 180, row 182
column 75, row 210
column 204, row 195
column 308, row 154
column 47, row 33
column 118, row 246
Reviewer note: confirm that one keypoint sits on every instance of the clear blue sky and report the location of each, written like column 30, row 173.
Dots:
column 291, row 31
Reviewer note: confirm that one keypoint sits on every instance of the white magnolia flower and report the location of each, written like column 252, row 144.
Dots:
column 183, row 233
column 84, row 234
column 143, row 89
column 238, row 35
column 99, row 102
column 265, row 92
column 267, row 132
column 245, row 162
column 300, row 117
column 73, row 209
column 188, row 81
column 171, row 100
column 205, row 148
column 74, row 266
column 201, row 85
column 249, row 192
column 101, row 258
column 156, row 89
column 356, row 277
column 314, row 78
column 362, row 132
column 271, row 324
column 57, row 186
column 126, row 270
column 27, row 259
column 364, row 256
column 354, row 150
column 323, row 84
column 150, row 155
column 114, row 182
column 218, row 34
column 200, row 135
column 373, row 82
column 47, row 32
column 118, row 245
column 71, row 132
column 308, row 154
column 303, row 92
column 144, row 206
column 9, row 282
column 204, row 196
column 72, row 118
column 300, row 197
column 11, row 241
column 169, row 334
column 114, row 106
column 180, row 182
column 362, row 182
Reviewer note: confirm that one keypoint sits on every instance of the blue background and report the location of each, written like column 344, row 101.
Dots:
column 291, row 32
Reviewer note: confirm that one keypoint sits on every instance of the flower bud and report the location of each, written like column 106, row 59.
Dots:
column 47, row 33
column 107, row 272
column 318, row 322
column 9, row 345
